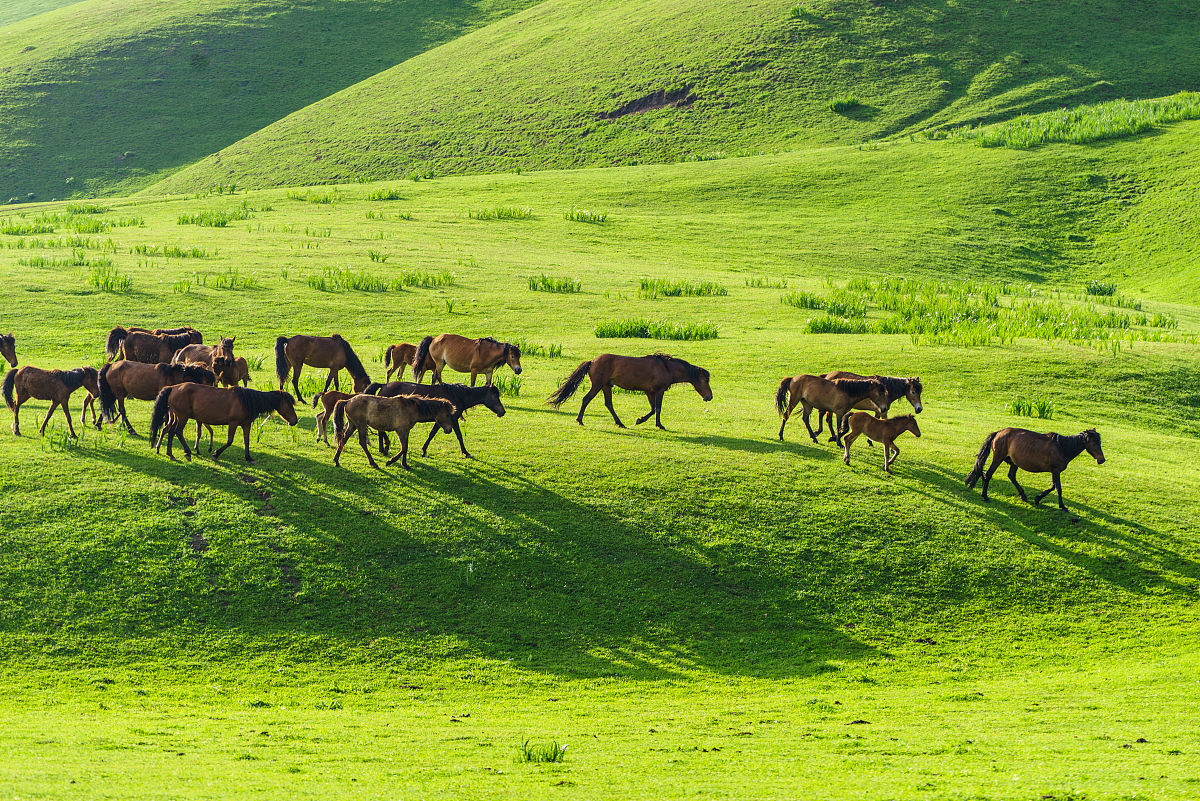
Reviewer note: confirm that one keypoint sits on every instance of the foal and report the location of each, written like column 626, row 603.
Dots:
column 399, row 414
column 885, row 431
column 56, row 386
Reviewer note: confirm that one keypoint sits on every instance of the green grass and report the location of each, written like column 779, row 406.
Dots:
column 576, row 214
column 212, row 218
column 501, row 213
column 1031, row 407
column 642, row 328
column 665, row 288
column 550, row 283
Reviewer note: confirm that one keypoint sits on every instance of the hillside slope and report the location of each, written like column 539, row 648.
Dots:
column 105, row 95
column 14, row 10
column 570, row 84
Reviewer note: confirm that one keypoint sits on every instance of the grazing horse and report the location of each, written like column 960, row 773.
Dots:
column 397, row 414
column 205, row 354
column 472, row 356
column 112, row 346
column 153, row 348
column 462, row 396
column 236, row 407
column 8, row 349
column 232, row 372
column 839, row 397
column 125, row 379
column 885, row 431
column 653, row 374
column 897, row 388
column 56, row 386
column 333, row 352
column 397, row 357
column 1034, row 453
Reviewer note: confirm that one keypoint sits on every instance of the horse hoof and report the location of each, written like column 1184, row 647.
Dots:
column 465, row 455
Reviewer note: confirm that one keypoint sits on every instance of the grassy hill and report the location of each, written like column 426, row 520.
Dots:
column 15, row 10
column 568, row 84
column 101, row 96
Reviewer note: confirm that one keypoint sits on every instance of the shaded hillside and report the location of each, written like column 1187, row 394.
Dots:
column 14, row 10
column 567, row 84
column 103, row 96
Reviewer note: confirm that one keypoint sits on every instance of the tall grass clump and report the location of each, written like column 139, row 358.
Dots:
column 377, row 256
column 660, row 287
column 385, row 194
column 1030, row 407
column 7, row 226
column 425, row 280
column 1101, row 288
column 642, row 328
column 170, row 251
column 844, row 103
column 85, row 208
column 541, row 752
column 326, row 198
column 215, row 219
column 835, row 325
column 234, row 280
column 108, row 278
column 535, row 349
column 840, row 303
column 549, row 283
column 576, row 214
column 502, row 213
column 509, row 385
column 767, row 283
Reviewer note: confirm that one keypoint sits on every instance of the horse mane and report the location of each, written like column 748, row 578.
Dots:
column 694, row 373
column 429, row 407
column 256, row 402
column 74, row 378
column 856, row 384
column 353, row 365
column 176, row 341
column 198, row 373
column 896, row 387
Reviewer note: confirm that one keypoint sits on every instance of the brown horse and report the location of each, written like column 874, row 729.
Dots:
column 839, row 397
column 153, row 348
column 460, row 395
column 398, row 414
column 327, row 400
column 653, row 374
column 397, row 357
column 112, row 345
column 232, row 372
column 885, row 431
column 236, row 407
column 333, row 352
column 8, row 349
column 1034, row 453
column 56, row 386
column 125, row 379
column 897, row 388
column 472, row 356
column 205, row 354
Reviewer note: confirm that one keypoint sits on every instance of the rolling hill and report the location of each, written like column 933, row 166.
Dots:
column 104, row 96
column 568, row 84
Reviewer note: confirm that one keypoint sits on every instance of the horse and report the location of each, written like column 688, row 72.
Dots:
column 653, row 374
column 1034, row 453
column 205, row 354
column 8, row 349
column 472, row 356
column 333, row 352
column 153, row 348
column 397, row 357
column 897, row 388
column 327, row 400
column 232, row 372
column 885, row 431
column 397, row 414
column 819, row 393
column 56, row 386
column 462, row 396
column 112, row 345
column 237, row 407
column 125, row 379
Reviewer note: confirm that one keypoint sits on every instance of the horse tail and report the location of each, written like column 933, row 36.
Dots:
column 418, row 363
column 570, row 385
column 387, row 357
column 108, row 398
column 162, row 405
column 981, row 459
column 317, row 399
column 113, row 346
column 781, row 394
column 339, row 420
column 10, row 379
column 281, row 363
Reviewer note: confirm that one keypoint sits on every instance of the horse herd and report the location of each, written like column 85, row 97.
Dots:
column 175, row 370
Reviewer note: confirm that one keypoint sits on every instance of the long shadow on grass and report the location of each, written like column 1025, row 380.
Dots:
column 1121, row 552
column 459, row 559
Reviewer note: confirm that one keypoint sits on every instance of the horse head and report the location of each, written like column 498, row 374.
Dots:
column 444, row 416
column 700, row 382
column 914, row 394
column 287, row 408
column 911, row 425
column 512, row 357
column 1091, row 441
column 8, row 348
column 878, row 395
column 491, row 399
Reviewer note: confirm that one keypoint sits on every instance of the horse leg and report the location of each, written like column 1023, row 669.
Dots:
column 232, row 433
column 403, row 454
column 246, row 439
column 608, row 402
column 841, row 421
column 847, row 441
column 458, row 432
column 321, row 433
column 16, row 426
column 895, row 450
column 890, row 452
column 199, row 434
column 362, row 440
column 1012, row 476
column 806, row 412
column 433, row 433
column 1050, row 489
column 786, row 415
column 67, row 414
column 331, row 379
column 1058, row 486
column 53, row 406
column 987, row 477
column 658, row 411
column 593, row 392
column 338, row 453
column 384, row 444
column 489, row 378
column 125, row 417
column 296, row 380
column 210, row 438
column 649, row 414
column 182, row 442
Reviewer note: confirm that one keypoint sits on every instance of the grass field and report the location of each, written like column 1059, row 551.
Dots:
column 699, row 612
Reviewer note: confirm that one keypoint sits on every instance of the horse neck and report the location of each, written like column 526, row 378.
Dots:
column 1070, row 447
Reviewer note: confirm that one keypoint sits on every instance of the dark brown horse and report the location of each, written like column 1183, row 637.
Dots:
column 205, row 354
column 460, row 395
column 897, row 388
column 56, row 386
column 231, row 373
column 112, row 345
column 332, row 352
column 839, row 397
column 653, row 374
column 1034, row 453
column 465, row 355
column 125, row 379
column 153, row 348
column 236, row 407
column 399, row 414
column 8, row 349
column 885, row 431
column 397, row 357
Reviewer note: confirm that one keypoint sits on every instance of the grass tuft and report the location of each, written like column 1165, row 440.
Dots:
column 549, row 283
column 541, row 752
column 642, row 328
column 576, row 214
column 1030, row 407
column 660, row 287
column 108, row 278
column 502, row 213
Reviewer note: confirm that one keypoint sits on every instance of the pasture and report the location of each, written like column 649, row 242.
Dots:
column 704, row 611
